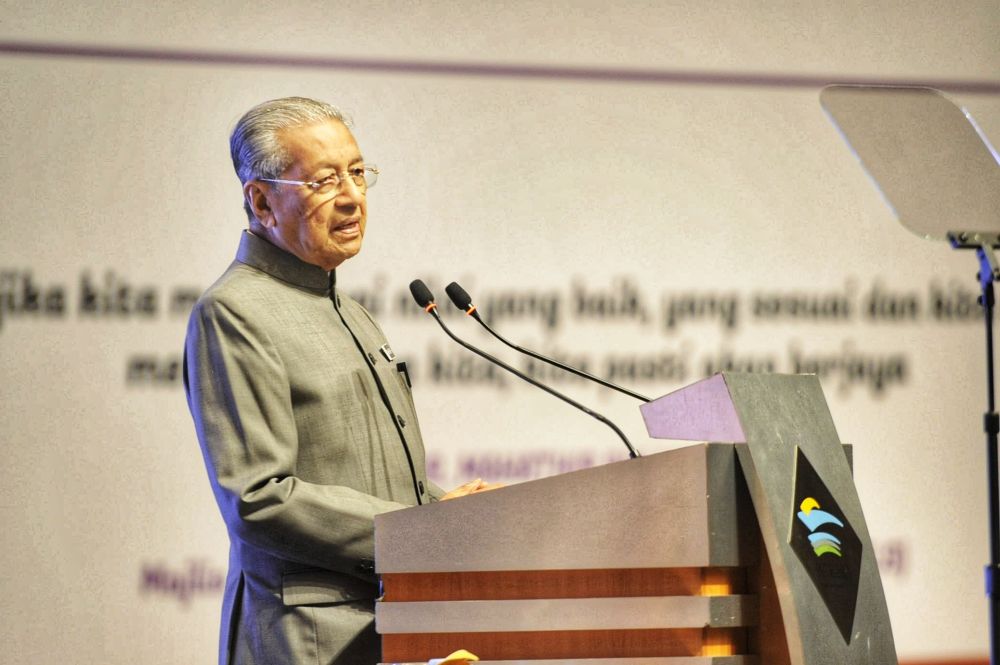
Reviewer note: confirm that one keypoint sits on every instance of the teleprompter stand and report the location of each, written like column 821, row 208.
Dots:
column 939, row 174
column 989, row 273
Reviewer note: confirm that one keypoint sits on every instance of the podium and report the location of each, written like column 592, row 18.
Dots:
column 751, row 549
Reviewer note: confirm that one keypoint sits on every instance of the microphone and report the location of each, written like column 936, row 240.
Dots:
column 422, row 295
column 463, row 301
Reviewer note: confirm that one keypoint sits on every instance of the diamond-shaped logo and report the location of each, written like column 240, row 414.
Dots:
column 827, row 546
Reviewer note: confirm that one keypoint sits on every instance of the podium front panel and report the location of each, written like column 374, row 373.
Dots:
column 674, row 509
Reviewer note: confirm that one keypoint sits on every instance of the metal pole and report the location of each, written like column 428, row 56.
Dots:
column 991, row 425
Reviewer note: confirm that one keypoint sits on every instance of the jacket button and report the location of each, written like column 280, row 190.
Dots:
column 401, row 421
column 420, row 486
column 371, row 357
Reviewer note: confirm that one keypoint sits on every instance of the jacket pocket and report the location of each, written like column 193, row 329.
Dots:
column 323, row 587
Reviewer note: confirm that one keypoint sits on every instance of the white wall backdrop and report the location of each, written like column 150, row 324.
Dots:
column 657, row 232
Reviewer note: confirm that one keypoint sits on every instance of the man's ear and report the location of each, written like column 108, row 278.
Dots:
column 256, row 197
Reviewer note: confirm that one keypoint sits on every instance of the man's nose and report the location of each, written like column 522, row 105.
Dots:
column 350, row 193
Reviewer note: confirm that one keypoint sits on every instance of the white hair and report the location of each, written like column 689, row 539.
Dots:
column 254, row 145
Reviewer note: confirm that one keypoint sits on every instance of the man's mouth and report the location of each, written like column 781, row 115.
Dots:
column 349, row 227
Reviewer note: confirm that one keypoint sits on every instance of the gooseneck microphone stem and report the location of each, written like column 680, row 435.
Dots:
column 572, row 370
column 461, row 299
column 632, row 452
column 422, row 295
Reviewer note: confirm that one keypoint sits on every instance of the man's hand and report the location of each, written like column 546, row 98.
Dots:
column 471, row 487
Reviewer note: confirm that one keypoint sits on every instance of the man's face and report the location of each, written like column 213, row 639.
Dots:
column 323, row 229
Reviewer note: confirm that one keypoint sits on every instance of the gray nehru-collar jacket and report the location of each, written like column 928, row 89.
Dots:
column 308, row 431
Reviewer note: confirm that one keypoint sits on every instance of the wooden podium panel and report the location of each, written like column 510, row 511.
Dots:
column 668, row 646
column 644, row 558
column 680, row 660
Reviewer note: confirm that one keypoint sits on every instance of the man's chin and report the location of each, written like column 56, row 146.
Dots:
column 334, row 259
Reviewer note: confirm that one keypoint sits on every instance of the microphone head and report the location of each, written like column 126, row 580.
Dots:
column 459, row 297
column 421, row 293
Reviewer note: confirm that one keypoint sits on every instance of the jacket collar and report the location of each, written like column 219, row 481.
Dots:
column 258, row 253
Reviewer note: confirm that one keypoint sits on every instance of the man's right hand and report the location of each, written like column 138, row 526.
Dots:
column 471, row 487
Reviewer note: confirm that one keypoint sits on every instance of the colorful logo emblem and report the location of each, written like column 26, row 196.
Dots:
column 825, row 543
column 814, row 518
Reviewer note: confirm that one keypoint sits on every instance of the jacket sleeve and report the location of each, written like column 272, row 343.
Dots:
column 239, row 396
column 435, row 491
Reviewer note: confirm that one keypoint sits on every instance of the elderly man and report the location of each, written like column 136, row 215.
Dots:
column 305, row 420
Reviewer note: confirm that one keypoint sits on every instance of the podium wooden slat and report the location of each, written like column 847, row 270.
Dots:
column 567, row 645
column 527, row 584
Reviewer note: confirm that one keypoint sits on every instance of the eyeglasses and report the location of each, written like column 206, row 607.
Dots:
column 363, row 177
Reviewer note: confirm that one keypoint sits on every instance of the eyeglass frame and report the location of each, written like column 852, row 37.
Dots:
column 315, row 185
